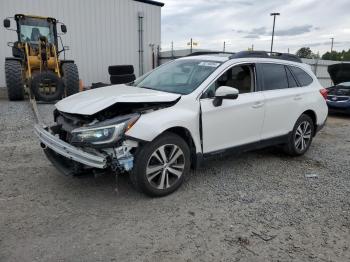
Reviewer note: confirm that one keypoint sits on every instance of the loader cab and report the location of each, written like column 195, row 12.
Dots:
column 31, row 28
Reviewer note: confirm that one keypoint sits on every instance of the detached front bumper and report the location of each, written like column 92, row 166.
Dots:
column 64, row 149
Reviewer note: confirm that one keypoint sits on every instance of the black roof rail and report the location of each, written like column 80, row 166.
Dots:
column 264, row 54
column 209, row 53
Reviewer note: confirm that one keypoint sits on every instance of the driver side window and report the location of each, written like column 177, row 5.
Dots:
column 240, row 77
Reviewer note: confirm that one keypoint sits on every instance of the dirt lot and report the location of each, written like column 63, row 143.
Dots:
column 257, row 206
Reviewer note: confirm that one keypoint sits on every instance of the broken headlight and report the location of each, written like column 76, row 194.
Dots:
column 105, row 132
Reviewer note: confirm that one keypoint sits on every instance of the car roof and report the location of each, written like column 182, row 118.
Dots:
column 254, row 55
column 217, row 58
column 225, row 58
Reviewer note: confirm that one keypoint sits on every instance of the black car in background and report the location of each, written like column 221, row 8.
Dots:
column 338, row 99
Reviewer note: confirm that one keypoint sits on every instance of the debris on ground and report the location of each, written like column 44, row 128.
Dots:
column 264, row 237
column 313, row 175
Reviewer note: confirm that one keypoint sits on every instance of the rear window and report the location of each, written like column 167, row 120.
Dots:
column 274, row 76
column 303, row 78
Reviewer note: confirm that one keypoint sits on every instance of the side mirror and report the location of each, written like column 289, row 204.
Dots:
column 224, row 92
column 63, row 28
column 7, row 23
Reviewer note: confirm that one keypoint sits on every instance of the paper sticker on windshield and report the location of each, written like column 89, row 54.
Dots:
column 211, row 64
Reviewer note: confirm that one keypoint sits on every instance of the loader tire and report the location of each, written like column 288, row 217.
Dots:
column 50, row 78
column 70, row 78
column 14, row 80
column 121, row 69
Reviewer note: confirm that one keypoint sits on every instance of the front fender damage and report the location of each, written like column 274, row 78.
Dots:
column 119, row 155
column 122, row 157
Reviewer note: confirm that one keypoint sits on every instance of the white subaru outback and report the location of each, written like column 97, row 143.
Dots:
column 171, row 119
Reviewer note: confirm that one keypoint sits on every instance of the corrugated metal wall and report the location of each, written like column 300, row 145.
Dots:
column 100, row 32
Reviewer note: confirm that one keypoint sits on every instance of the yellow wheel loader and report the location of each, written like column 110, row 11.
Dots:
column 35, row 68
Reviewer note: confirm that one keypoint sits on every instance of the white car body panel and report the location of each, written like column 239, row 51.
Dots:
column 235, row 122
column 95, row 100
column 184, row 114
column 281, row 111
column 284, row 106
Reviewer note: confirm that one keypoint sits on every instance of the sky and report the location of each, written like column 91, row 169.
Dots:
column 243, row 23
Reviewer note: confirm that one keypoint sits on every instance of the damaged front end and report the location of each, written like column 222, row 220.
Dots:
column 81, row 143
column 76, row 149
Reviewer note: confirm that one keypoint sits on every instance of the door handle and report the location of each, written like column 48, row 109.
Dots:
column 298, row 97
column 257, row 104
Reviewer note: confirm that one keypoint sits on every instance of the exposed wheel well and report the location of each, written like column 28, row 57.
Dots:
column 186, row 135
column 312, row 115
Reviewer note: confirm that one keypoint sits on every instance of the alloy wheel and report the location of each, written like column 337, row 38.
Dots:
column 302, row 136
column 165, row 166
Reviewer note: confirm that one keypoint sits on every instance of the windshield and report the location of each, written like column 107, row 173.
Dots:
column 32, row 28
column 179, row 76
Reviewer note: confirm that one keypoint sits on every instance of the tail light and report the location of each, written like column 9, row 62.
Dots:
column 324, row 92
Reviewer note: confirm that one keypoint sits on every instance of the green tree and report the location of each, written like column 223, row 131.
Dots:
column 346, row 56
column 337, row 56
column 304, row 52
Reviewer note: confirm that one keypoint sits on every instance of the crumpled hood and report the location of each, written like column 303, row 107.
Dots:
column 339, row 73
column 94, row 100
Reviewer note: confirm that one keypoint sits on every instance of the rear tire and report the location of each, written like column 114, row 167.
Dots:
column 70, row 78
column 160, row 166
column 14, row 80
column 300, row 138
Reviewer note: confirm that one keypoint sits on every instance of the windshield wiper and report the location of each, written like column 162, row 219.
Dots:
column 165, row 91
column 146, row 87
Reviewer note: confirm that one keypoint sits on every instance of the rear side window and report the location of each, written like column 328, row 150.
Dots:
column 291, row 80
column 274, row 76
column 303, row 78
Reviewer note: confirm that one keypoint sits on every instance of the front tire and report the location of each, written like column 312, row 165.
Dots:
column 300, row 138
column 160, row 166
column 47, row 86
column 14, row 80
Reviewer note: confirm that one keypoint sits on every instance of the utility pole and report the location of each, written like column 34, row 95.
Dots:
column 153, row 54
column 252, row 47
column 158, row 55
column 172, row 49
column 224, row 46
column 332, row 38
column 273, row 27
column 191, row 46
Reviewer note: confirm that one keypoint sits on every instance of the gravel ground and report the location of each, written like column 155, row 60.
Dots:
column 257, row 206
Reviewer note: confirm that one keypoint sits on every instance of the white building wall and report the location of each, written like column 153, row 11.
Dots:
column 100, row 32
